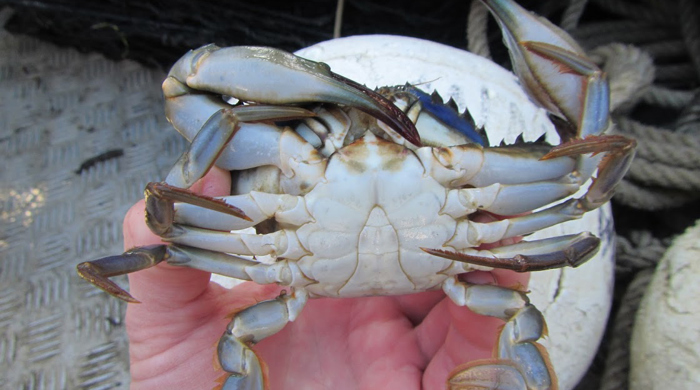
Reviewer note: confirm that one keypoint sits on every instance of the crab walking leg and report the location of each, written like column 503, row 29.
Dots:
column 172, row 221
column 615, row 164
column 525, row 256
column 507, row 199
column 216, row 133
column 471, row 234
column 542, row 182
column 474, row 166
column 520, row 362
column 248, row 327
column 218, row 213
column 610, row 172
column 260, row 144
column 257, row 206
column 98, row 271
column 269, row 145
column 160, row 200
column 282, row 243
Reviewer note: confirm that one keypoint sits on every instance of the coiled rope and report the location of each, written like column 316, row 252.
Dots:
column 640, row 52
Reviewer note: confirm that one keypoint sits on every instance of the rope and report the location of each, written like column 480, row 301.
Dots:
column 667, row 164
column 667, row 98
column 655, row 175
column 665, row 50
column 666, row 169
column 689, row 119
column 572, row 14
column 338, row 23
column 655, row 134
column 684, row 156
column 617, row 362
column 477, row 23
column 650, row 198
column 640, row 250
column 630, row 72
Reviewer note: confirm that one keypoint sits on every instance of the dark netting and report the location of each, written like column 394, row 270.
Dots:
column 158, row 32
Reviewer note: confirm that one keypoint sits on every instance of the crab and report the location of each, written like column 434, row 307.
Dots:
column 354, row 192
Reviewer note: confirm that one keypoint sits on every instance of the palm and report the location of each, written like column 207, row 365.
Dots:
column 405, row 342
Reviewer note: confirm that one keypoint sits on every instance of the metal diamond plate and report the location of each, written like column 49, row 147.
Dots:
column 80, row 136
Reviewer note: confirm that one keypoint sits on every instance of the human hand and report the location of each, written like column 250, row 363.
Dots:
column 395, row 342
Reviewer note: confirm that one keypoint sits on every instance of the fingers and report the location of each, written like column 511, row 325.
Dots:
column 477, row 331
column 453, row 335
column 417, row 306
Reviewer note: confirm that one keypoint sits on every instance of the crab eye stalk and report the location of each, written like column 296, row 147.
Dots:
column 384, row 110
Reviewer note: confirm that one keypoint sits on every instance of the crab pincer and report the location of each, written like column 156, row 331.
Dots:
column 553, row 68
column 276, row 80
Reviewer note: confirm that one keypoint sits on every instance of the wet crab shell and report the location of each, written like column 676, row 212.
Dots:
column 575, row 301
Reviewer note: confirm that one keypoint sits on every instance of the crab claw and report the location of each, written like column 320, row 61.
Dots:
column 553, row 68
column 270, row 76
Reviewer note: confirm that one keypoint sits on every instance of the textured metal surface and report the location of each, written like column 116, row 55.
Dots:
column 80, row 136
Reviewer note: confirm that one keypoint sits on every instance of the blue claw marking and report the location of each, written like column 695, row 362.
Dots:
column 446, row 115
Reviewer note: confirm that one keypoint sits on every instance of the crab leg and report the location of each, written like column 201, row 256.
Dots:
column 471, row 234
column 160, row 198
column 561, row 79
column 250, row 326
column 474, row 166
column 213, row 137
column 257, row 206
column 281, row 243
column 492, row 183
column 161, row 217
column 218, row 213
column 520, row 362
column 264, row 145
column 268, row 145
column 98, row 271
column 620, row 152
column 525, row 256
column 508, row 199
column 179, row 222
